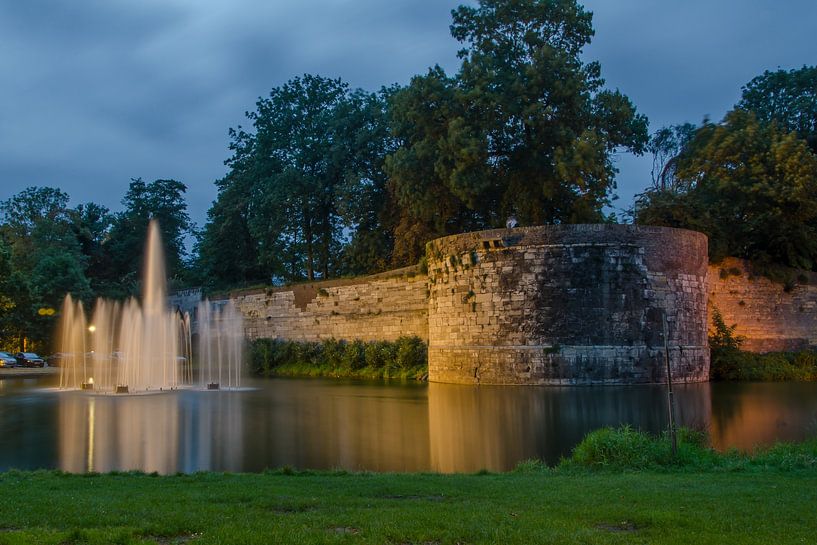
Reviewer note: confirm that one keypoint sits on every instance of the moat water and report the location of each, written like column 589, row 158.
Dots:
column 374, row 426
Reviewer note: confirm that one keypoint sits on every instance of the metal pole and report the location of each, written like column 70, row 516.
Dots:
column 670, row 400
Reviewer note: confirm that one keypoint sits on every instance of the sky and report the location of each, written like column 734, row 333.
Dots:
column 96, row 92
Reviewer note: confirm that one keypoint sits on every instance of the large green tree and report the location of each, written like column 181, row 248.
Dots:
column 305, row 191
column 162, row 200
column 787, row 97
column 750, row 186
column 525, row 127
column 44, row 262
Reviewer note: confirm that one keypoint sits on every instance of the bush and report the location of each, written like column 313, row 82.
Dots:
column 626, row 448
column 407, row 357
column 729, row 362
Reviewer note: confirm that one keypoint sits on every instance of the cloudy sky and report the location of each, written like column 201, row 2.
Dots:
column 95, row 92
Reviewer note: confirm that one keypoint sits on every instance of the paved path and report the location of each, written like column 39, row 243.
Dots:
column 26, row 372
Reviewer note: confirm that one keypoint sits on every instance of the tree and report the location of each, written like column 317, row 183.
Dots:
column 162, row 200
column 750, row 186
column 305, row 191
column 788, row 98
column 665, row 145
column 524, row 128
column 46, row 262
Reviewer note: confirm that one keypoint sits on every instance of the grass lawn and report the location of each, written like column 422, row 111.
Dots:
column 756, row 505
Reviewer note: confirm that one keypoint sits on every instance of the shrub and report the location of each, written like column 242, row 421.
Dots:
column 626, row 448
column 407, row 357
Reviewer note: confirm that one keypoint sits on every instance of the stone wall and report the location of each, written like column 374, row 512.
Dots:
column 567, row 304
column 769, row 316
column 578, row 304
column 379, row 307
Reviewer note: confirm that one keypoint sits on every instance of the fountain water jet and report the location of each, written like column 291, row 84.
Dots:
column 128, row 347
column 220, row 343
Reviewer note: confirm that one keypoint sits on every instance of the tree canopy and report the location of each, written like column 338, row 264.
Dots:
column 787, row 97
column 305, row 193
column 524, row 128
column 48, row 249
column 750, row 186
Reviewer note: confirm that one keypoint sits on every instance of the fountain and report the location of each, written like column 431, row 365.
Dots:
column 220, row 343
column 130, row 347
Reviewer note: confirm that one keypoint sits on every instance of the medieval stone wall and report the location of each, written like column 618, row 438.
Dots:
column 577, row 304
column 769, row 315
column 374, row 308
column 567, row 304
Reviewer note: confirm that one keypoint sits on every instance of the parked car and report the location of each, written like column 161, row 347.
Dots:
column 29, row 359
column 7, row 360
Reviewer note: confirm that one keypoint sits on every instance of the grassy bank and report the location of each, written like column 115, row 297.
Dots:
column 765, row 498
column 405, row 358
column 539, row 507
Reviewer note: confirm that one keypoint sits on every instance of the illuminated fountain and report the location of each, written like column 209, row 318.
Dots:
column 131, row 347
column 220, row 344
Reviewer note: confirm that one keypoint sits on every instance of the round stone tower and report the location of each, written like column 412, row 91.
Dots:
column 568, row 304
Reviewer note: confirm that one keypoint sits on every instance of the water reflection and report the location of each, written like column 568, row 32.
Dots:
column 746, row 415
column 374, row 426
column 495, row 427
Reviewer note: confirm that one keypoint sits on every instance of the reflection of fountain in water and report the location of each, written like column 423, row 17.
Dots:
column 130, row 347
column 220, row 343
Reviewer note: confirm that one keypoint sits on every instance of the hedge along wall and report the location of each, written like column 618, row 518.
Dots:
column 567, row 304
column 381, row 307
column 772, row 316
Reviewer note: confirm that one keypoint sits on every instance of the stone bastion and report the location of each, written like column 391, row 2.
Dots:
column 568, row 304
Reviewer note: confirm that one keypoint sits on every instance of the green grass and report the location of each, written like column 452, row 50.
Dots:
column 534, row 506
column 593, row 498
column 405, row 358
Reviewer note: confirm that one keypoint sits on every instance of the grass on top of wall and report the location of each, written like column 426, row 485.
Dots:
column 405, row 358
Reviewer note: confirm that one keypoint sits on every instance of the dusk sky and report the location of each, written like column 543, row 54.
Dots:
column 96, row 92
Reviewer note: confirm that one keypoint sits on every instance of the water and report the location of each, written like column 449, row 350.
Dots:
column 135, row 346
column 375, row 426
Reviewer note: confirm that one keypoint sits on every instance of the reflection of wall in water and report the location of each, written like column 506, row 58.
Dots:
column 496, row 427
column 161, row 432
column 320, row 424
column 745, row 415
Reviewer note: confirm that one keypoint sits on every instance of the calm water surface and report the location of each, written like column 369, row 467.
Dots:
column 318, row 423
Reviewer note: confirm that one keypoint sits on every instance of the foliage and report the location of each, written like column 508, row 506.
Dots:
column 750, row 187
column 732, row 364
column 48, row 249
column 729, row 362
column 626, row 448
column 43, row 261
column 789, row 98
column 525, row 127
column 162, row 200
column 305, row 194
column 407, row 357
column 665, row 145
